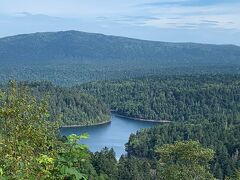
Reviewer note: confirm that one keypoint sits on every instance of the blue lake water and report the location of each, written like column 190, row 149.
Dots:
column 113, row 135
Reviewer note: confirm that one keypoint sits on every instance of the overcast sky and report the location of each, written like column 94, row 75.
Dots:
column 205, row 21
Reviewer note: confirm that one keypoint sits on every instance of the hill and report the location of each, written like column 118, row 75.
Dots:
column 70, row 107
column 173, row 98
column 72, row 57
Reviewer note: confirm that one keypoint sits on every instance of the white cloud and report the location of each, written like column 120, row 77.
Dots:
column 125, row 17
column 226, row 16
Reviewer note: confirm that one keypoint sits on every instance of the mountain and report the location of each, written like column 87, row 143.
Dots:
column 81, row 57
column 80, row 46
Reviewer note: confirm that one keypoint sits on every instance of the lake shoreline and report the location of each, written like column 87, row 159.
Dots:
column 140, row 119
column 118, row 115
column 96, row 124
column 113, row 135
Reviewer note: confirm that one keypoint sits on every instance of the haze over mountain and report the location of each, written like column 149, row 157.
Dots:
column 80, row 46
column 80, row 56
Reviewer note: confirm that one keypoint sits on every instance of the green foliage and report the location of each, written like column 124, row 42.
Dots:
column 71, row 57
column 173, row 98
column 184, row 160
column 25, row 134
column 222, row 138
column 208, row 106
column 71, row 107
column 68, row 163
column 206, row 109
column 29, row 143
column 134, row 168
column 105, row 163
column 235, row 176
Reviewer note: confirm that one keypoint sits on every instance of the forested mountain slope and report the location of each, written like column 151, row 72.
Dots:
column 72, row 57
column 220, row 136
column 69, row 106
column 172, row 98
column 80, row 46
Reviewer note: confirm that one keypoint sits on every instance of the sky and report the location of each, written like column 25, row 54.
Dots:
column 202, row 21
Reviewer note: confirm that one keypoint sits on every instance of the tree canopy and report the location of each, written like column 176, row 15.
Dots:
column 184, row 160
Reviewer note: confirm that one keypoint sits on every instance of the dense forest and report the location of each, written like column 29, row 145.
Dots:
column 69, row 106
column 202, row 140
column 90, row 47
column 202, row 108
column 172, row 98
column 71, row 57
column 31, row 148
column 222, row 137
column 74, row 73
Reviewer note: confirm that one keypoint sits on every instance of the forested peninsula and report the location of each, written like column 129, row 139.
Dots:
column 171, row 98
column 72, row 108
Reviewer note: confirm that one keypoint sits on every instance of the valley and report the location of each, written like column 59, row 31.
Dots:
column 81, row 105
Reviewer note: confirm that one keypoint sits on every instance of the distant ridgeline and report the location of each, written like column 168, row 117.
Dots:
column 72, row 57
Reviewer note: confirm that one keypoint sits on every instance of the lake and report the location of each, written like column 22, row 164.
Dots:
column 114, row 134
